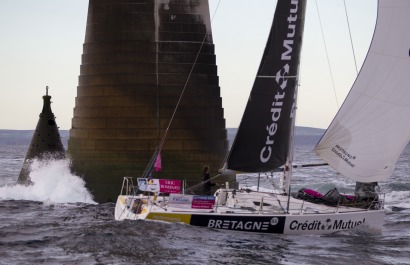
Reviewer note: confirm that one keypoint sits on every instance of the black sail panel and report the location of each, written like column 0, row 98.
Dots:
column 263, row 137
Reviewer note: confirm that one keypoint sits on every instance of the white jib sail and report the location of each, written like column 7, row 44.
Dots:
column 372, row 128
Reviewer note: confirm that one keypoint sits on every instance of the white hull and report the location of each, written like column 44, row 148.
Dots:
column 242, row 212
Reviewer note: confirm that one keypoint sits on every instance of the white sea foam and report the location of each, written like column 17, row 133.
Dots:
column 53, row 183
column 398, row 199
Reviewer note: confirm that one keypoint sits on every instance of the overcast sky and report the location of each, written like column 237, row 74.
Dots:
column 41, row 45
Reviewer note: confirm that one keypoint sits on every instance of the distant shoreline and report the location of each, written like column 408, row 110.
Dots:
column 303, row 136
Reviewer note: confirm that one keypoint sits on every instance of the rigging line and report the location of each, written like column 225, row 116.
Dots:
column 350, row 35
column 161, row 143
column 327, row 54
column 156, row 18
column 186, row 82
column 195, row 186
column 158, row 112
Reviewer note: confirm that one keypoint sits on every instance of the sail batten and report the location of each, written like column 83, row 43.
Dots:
column 368, row 134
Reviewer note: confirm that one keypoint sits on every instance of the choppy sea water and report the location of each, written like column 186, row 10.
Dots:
column 57, row 222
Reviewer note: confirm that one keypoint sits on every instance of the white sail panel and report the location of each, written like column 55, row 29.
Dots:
column 372, row 128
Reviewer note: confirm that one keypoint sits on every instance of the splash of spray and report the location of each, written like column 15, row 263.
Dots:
column 52, row 183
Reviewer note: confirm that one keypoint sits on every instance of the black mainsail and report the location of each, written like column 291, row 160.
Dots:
column 263, row 137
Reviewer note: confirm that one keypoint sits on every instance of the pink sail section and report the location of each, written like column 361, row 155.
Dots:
column 158, row 163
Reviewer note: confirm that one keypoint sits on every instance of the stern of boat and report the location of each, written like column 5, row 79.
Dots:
column 121, row 209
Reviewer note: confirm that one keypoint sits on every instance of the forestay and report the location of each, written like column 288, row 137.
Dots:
column 372, row 128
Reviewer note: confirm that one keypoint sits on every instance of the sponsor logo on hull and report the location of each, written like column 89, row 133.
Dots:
column 263, row 224
column 328, row 224
column 300, row 224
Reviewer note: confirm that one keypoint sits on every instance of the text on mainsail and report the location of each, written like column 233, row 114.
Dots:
column 281, row 80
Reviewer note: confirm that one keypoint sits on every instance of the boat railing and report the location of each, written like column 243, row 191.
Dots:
column 376, row 203
column 128, row 187
column 370, row 203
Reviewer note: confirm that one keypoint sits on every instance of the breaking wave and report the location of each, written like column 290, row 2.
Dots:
column 399, row 199
column 52, row 183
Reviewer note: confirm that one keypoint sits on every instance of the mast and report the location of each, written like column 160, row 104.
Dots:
column 287, row 172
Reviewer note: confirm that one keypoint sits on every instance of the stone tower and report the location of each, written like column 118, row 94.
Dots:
column 138, row 56
column 46, row 141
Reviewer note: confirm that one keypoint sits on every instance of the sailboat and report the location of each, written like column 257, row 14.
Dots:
column 362, row 143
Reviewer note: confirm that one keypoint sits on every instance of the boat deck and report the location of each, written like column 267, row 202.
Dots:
column 249, row 211
column 232, row 202
column 269, row 203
